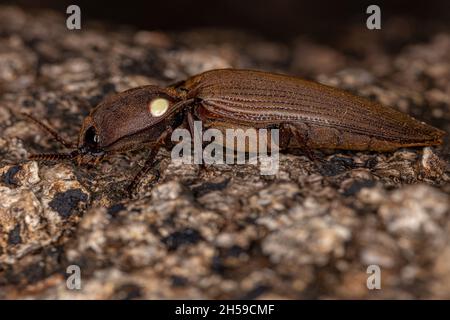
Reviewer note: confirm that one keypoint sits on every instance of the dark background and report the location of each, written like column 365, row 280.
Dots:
column 280, row 19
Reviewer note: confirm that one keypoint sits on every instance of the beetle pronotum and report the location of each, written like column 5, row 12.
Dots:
column 309, row 115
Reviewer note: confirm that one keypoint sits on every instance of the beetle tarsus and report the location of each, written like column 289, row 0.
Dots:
column 131, row 188
column 148, row 166
column 309, row 153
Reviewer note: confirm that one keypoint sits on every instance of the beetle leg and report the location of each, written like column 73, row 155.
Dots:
column 291, row 133
column 149, row 162
column 190, row 120
column 145, row 169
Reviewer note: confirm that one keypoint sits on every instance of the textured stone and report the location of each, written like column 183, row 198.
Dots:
column 221, row 231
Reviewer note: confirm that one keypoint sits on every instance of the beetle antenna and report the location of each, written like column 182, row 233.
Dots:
column 54, row 156
column 51, row 156
column 49, row 130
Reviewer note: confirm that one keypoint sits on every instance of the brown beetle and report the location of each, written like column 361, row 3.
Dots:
column 309, row 115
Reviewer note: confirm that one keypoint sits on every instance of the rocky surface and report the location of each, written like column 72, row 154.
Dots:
column 223, row 231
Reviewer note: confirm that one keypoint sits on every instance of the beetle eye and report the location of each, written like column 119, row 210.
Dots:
column 91, row 137
column 158, row 106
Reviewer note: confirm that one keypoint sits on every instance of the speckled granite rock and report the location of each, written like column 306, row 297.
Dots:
column 223, row 231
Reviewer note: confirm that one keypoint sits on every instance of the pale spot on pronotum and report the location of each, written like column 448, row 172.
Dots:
column 158, row 106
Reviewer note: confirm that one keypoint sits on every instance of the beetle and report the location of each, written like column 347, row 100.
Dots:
column 309, row 115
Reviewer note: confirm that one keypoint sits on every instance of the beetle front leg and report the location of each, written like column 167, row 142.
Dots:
column 149, row 163
column 190, row 123
column 144, row 171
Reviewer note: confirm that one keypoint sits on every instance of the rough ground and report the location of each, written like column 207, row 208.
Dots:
column 224, row 232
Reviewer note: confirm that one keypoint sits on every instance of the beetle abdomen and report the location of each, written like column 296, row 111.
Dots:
column 265, row 98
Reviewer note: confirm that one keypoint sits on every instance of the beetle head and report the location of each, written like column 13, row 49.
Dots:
column 126, row 121
column 122, row 122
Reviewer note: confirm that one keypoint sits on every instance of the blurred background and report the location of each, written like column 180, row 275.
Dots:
column 280, row 19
